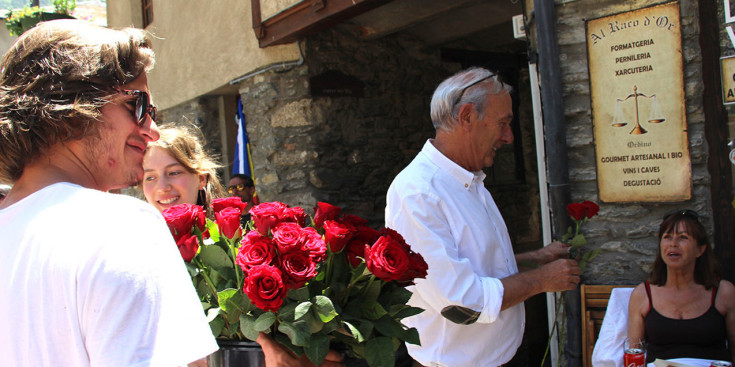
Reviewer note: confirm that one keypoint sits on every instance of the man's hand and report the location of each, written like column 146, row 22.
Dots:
column 556, row 276
column 531, row 259
column 555, row 250
column 560, row 275
column 276, row 355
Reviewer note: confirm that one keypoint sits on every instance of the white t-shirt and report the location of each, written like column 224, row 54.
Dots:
column 447, row 215
column 89, row 278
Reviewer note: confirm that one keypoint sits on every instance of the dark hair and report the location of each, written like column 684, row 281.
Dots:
column 248, row 181
column 53, row 81
column 705, row 268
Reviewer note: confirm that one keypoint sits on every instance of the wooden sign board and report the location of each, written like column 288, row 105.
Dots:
column 638, row 105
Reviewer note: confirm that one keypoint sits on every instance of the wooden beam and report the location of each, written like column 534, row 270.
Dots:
column 305, row 18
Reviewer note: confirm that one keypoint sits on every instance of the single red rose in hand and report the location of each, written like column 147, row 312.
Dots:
column 295, row 214
column 388, row 259
column 576, row 211
column 313, row 244
column 228, row 202
column 188, row 246
column 287, row 236
column 265, row 288
column 255, row 249
column 336, row 235
column 267, row 215
column 228, row 220
column 181, row 218
column 591, row 209
column 324, row 212
column 298, row 268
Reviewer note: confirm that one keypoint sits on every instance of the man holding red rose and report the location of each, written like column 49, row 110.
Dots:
column 88, row 278
column 473, row 294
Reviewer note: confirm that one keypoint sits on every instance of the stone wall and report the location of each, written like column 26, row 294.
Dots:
column 626, row 233
column 346, row 150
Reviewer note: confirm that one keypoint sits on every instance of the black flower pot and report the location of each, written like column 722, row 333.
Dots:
column 237, row 353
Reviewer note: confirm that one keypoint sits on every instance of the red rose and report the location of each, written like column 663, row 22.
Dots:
column 254, row 250
column 267, row 215
column 295, row 215
column 354, row 220
column 355, row 249
column 264, row 286
column 313, row 244
column 417, row 269
column 336, row 235
column 228, row 202
column 181, row 218
column 188, row 245
column 298, row 268
column 576, row 211
column 388, row 259
column 287, row 236
column 385, row 231
column 228, row 220
column 324, row 212
column 591, row 209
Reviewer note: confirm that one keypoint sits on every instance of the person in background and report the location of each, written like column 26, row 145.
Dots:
column 242, row 186
column 473, row 294
column 684, row 310
column 177, row 169
column 87, row 278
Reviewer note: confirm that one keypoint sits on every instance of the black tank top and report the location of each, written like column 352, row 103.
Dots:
column 701, row 337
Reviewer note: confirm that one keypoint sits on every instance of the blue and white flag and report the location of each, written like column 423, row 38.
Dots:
column 242, row 162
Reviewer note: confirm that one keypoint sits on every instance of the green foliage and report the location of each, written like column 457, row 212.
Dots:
column 19, row 21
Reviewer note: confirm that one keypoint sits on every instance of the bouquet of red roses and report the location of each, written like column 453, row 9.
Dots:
column 310, row 286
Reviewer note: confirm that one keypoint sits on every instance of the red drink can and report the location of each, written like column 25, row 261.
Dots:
column 634, row 357
column 720, row 364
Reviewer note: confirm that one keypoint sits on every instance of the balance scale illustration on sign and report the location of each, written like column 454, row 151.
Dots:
column 655, row 115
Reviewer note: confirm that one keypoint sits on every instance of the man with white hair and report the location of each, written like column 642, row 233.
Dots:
column 473, row 292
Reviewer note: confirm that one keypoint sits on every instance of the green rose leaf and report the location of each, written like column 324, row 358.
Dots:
column 578, row 240
column 247, row 326
column 302, row 309
column 264, row 321
column 412, row 336
column 372, row 310
column 301, row 294
column 324, row 308
column 216, row 325
column 215, row 257
column 389, row 327
column 355, row 332
column 379, row 352
column 224, row 296
column 317, row 349
column 407, row 312
column 297, row 331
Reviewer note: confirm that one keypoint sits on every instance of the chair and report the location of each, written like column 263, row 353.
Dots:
column 595, row 299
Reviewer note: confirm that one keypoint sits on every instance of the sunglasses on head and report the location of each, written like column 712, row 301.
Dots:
column 239, row 187
column 461, row 94
column 684, row 213
column 143, row 104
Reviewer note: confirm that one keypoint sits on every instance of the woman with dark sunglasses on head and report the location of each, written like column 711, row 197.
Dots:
column 684, row 310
